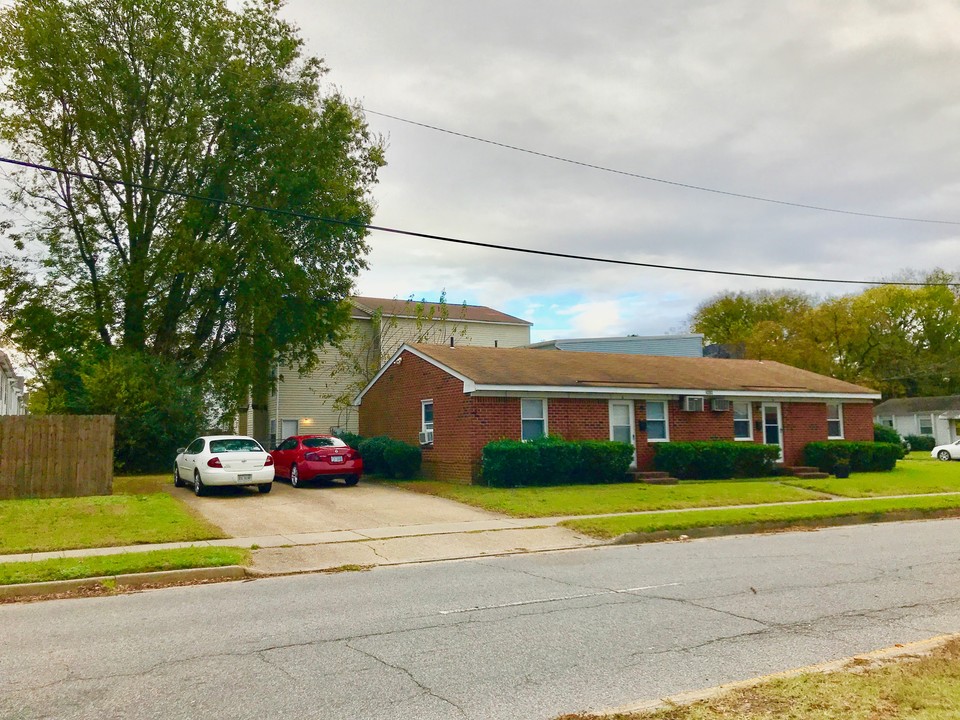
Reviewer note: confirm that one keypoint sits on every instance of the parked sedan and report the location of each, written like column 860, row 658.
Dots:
column 303, row 458
column 217, row 460
column 947, row 452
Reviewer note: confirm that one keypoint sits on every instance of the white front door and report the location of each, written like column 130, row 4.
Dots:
column 623, row 427
column 773, row 426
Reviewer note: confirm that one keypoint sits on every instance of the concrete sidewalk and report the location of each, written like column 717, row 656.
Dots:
column 538, row 533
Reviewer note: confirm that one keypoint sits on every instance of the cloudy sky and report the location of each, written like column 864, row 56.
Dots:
column 852, row 105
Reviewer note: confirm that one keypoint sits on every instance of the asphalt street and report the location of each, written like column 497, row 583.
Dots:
column 528, row 636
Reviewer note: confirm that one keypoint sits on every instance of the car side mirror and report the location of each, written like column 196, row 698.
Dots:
column 181, row 451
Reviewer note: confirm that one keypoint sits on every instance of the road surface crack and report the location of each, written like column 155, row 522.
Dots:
column 424, row 688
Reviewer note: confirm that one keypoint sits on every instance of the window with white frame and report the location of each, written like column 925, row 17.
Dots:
column 925, row 424
column 657, row 430
column 834, row 421
column 742, row 420
column 885, row 420
column 533, row 418
column 426, row 415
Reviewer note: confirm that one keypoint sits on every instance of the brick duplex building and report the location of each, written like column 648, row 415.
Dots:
column 454, row 400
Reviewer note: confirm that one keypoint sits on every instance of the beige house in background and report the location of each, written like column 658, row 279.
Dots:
column 321, row 400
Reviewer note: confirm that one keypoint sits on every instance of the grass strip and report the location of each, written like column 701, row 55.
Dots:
column 925, row 688
column 820, row 514
column 101, row 521
column 623, row 497
column 912, row 476
column 121, row 564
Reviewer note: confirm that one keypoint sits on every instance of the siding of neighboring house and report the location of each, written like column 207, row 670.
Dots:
column 909, row 416
column 308, row 400
column 671, row 345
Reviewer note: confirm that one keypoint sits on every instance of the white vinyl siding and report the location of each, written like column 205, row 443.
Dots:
column 658, row 421
column 533, row 418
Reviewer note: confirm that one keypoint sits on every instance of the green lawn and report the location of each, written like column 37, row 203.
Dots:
column 925, row 688
column 68, row 523
column 625, row 497
column 124, row 563
column 916, row 474
column 772, row 517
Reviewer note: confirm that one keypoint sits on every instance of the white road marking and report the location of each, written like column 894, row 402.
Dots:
column 520, row 603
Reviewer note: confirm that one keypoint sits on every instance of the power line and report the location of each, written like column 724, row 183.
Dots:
column 663, row 181
column 602, row 168
column 443, row 238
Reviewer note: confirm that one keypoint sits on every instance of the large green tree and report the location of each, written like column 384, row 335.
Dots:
column 900, row 339
column 191, row 96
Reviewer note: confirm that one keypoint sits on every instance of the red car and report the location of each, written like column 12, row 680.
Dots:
column 303, row 458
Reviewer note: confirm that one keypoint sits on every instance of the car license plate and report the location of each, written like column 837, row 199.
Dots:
column 336, row 458
column 245, row 476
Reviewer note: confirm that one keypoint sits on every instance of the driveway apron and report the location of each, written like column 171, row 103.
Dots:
column 243, row 513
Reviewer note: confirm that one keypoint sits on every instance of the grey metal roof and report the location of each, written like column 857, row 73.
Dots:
column 909, row 406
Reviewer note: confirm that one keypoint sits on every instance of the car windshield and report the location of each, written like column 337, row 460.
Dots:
column 323, row 442
column 235, row 445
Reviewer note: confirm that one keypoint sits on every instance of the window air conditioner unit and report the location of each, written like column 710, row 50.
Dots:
column 693, row 404
column 426, row 437
column 719, row 405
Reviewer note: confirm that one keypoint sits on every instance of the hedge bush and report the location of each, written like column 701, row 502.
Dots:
column 401, row 460
column 862, row 456
column 885, row 433
column 371, row 450
column 351, row 439
column 921, row 442
column 715, row 460
column 552, row 461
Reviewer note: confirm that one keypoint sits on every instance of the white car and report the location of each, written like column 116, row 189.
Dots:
column 216, row 460
column 947, row 452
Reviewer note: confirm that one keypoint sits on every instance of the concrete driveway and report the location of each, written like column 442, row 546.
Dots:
column 242, row 512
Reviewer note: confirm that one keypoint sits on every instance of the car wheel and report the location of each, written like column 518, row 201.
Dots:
column 943, row 455
column 264, row 488
column 198, row 489
column 177, row 480
column 294, row 476
column 352, row 480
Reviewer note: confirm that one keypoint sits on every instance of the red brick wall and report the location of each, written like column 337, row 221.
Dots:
column 858, row 421
column 463, row 425
column 392, row 407
column 683, row 426
column 802, row 423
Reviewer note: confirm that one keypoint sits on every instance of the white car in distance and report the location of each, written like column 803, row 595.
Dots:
column 947, row 452
column 218, row 460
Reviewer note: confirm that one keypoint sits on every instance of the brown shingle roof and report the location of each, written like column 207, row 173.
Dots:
column 525, row 367
column 408, row 308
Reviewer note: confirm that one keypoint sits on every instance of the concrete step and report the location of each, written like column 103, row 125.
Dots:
column 811, row 475
column 795, row 469
column 660, row 480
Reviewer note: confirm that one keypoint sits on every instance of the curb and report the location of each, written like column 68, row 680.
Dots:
column 132, row 581
column 921, row 647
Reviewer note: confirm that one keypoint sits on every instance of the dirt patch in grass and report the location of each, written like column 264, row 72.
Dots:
column 925, row 687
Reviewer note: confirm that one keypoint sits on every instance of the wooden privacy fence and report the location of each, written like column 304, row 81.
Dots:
column 56, row 455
